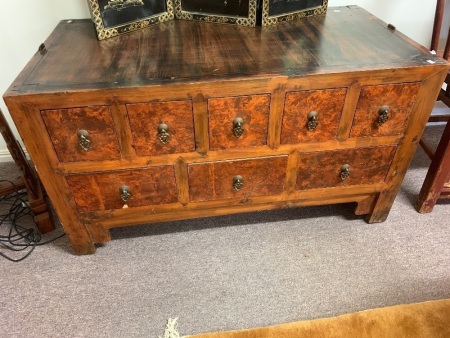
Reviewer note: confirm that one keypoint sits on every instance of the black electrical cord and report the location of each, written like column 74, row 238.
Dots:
column 14, row 210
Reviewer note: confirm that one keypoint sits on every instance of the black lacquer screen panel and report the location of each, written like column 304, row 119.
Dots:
column 240, row 12
column 114, row 17
column 229, row 7
column 281, row 7
column 116, row 13
column 275, row 11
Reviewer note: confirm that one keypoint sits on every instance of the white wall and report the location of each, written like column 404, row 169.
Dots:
column 25, row 24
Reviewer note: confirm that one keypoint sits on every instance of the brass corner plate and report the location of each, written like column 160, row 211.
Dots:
column 239, row 12
column 273, row 11
column 114, row 17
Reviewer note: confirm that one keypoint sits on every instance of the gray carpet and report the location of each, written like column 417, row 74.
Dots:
column 232, row 272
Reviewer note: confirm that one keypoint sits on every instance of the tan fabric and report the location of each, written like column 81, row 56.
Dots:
column 422, row 320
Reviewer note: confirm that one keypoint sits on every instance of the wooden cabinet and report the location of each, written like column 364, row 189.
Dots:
column 193, row 119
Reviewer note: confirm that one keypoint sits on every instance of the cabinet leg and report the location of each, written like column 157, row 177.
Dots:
column 377, row 217
column 80, row 240
column 365, row 206
column 381, row 207
column 84, row 249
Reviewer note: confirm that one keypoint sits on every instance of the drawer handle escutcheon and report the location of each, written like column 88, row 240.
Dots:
column 383, row 114
column 312, row 121
column 125, row 193
column 238, row 126
column 345, row 171
column 238, row 182
column 83, row 139
column 163, row 133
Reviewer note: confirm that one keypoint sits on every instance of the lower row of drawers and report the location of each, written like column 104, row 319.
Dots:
column 233, row 179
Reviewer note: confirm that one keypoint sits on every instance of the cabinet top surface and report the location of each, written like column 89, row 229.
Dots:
column 345, row 39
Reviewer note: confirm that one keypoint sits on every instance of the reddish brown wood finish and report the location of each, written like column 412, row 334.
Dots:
column 160, row 55
column 407, row 147
column 254, row 110
column 197, row 75
column 437, row 25
column 323, row 169
column 400, row 99
column 328, row 105
column 100, row 191
column 437, row 180
column 214, row 180
column 63, row 125
column 144, row 121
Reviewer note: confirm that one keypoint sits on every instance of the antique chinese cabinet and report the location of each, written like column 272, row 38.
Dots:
column 190, row 119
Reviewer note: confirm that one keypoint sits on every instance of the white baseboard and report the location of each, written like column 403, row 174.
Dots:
column 5, row 156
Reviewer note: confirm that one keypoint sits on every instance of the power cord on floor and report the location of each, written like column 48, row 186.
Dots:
column 15, row 237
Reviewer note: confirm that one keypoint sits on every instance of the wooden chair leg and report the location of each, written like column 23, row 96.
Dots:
column 41, row 213
column 438, row 174
column 428, row 150
column 440, row 4
column 29, row 180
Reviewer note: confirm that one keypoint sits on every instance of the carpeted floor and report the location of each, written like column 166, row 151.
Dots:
column 232, row 272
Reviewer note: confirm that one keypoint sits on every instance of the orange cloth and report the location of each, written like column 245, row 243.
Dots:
column 421, row 320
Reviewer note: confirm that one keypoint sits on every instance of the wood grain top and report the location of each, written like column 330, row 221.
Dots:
column 345, row 39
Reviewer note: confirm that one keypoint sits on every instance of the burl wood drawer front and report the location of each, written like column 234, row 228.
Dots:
column 133, row 188
column 384, row 110
column 82, row 134
column 344, row 167
column 162, row 127
column 237, row 179
column 312, row 116
column 238, row 122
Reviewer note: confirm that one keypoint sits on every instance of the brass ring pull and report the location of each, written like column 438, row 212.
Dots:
column 83, row 139
column 125, row 193
column 383, row 114
column 312, row 121
column 345, row 171
column 238, row 182
column 238, row 126
column 163, row 133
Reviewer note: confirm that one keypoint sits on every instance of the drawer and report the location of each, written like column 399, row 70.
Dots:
column 82, row 134
column 237, row 179
column 238, row 122
column 162, row 127
column 344, row 167
column 384, row 110
column 312, row 116
column 107, row 190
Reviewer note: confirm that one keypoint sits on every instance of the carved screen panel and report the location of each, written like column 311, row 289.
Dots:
column 275, row 11
column 114, row 17
column 241, row 12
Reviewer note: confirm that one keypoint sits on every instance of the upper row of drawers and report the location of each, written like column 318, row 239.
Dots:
column 89, row 133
